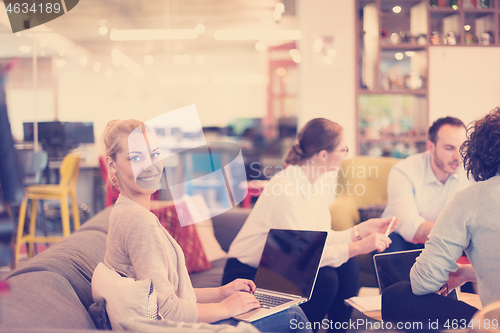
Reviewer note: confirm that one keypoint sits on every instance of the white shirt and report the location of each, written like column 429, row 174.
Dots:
column 290, row 201
column 415, row 195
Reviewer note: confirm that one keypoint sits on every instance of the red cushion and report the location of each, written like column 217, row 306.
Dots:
column 187, row 237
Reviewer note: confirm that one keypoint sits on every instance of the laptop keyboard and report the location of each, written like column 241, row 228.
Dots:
column 270, row 301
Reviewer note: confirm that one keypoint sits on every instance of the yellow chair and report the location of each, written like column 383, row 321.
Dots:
column 68, row 171
column 362, row 182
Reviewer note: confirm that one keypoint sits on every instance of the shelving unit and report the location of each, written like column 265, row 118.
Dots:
column 393, row 40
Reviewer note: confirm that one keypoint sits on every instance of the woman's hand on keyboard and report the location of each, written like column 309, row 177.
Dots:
column 235, row 286
column 239, row 302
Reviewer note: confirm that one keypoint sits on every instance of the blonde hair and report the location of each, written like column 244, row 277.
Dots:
column 111, row 138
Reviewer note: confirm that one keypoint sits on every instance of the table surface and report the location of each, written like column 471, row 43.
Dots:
column 471, row 299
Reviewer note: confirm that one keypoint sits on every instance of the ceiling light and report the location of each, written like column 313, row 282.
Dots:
column 18, row 34
column 398, row 56
column 25, row 49
column 239, row 79
column 60, row 63
column 467, row 27
column 279, row 8
column 149, row 59
column 259, row 46
column 182, row 79
column 327, row 60
column 83, row 61
column 108, row 73
column 297, row 58
column 332, row 53
column 129, row 64
column 200, row 28
column 410, row 53
column 281, row 71
column 257, row 35
column 318, row 45
column 200, row 59
column 152, row 34
column 103, row 30
column 396, row 9
column 293, row 52
column 97, row 67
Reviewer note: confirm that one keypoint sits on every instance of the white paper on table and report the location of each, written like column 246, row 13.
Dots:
column 367, row 303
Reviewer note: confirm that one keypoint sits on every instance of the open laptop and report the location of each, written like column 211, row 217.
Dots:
column 393, row 267
column 287, row 271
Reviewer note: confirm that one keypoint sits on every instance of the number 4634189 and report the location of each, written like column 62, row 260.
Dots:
column 26, row 8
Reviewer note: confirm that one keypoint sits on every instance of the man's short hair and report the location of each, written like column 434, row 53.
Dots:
column 434, row 129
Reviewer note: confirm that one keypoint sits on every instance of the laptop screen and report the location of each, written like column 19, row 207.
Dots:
column 394, row 267
column 290, row 261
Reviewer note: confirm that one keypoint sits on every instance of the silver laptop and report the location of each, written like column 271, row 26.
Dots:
column 393, row 267
column 287, row 271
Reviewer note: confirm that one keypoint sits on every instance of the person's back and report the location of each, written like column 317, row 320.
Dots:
column 468, row 222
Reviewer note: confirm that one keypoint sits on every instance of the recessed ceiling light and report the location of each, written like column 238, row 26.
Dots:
column 396, row 9
column 332, row 53
column 281, row 71
column 467, row 27
column 398, row 56
column 103, row 30
column 279, row 8
column 410, row 53
column 200, row 28
column 260, row 46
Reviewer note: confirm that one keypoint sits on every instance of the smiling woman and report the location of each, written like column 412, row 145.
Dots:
column 138, row 247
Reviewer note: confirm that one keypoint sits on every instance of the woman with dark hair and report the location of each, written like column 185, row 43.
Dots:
column 298, row 198
column 469, row 222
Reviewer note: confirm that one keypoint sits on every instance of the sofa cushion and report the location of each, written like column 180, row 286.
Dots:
column 74, row 258
column 99, row 222
column 228, row 224
column 210, row 278
column 186, row 236
column 42, row 300
column 125, row 297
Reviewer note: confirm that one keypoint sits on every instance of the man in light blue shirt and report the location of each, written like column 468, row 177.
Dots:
column 420, row 186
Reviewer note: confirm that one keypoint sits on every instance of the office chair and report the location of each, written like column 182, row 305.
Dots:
column 68, row 171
